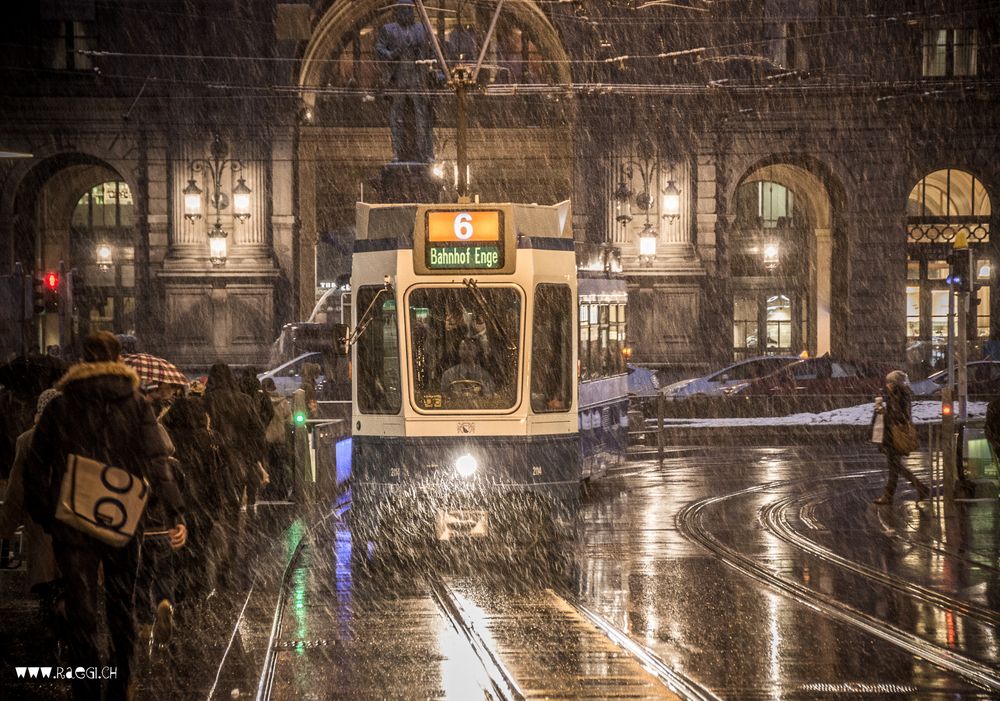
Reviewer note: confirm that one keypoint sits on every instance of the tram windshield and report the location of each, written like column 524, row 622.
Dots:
column 465, row 347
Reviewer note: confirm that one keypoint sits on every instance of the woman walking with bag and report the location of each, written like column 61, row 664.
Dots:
column 899, row 438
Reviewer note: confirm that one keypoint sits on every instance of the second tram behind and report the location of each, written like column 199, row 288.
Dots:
column 489, row 376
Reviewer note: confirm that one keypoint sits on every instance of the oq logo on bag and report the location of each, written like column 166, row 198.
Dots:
column 103, row 501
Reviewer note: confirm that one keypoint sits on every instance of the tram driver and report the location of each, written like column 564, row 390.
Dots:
column 467, row 378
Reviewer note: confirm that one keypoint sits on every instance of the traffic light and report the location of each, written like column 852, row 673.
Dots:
column 50, row 291
column 299, row 418
column 37, row 295
column 960, row 275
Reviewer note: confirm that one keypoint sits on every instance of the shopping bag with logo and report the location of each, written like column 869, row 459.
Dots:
column 103, row 501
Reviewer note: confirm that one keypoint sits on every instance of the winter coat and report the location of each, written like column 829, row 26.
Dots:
column 896, row 401
column 236, row 423
column 199, row 462
column 992, row 425
column 100, row 415
column 41, row 562
column 281, row 421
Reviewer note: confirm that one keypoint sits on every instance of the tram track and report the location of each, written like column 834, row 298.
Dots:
column 775, row 518
column 690, row 523
column 500, row 683
column 265, row 684
column 495, row 679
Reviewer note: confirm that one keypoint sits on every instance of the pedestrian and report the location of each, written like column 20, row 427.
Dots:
column 43, row 574
column 198, row 460
column 278, row 437
column 240, row 434
column 892, row 409
column 258, row 477
column 100, row 415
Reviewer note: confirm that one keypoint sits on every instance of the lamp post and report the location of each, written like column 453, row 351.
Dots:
column 214, row 167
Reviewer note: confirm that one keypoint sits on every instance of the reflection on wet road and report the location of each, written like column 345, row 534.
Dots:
column 739, row 574
column 778, row 619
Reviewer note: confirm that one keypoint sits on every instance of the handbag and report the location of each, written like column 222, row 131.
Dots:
column 904, row 439
column 103, row 501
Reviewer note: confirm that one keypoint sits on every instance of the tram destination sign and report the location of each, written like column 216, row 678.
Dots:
column 464, row 240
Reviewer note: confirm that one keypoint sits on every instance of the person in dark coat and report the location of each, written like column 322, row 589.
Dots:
column 250, row 386
column 234, row 420
column 101, row 415
column 43, row 575
column 199, row 461
column 895, row 405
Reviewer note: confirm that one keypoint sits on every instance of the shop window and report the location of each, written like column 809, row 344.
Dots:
column 983, row 312
column 106, row 205
column 745, row 324
column 779, row 323
column 912, row 312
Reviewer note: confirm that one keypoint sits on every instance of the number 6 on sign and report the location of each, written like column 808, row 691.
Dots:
column 463, row 226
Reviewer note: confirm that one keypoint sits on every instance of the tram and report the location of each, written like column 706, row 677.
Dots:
column 488, row 377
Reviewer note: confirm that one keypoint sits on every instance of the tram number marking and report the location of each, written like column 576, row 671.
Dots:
column 452, row 226
column 432, row 401
column 463, row 226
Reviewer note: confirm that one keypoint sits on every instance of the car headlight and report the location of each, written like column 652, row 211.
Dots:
column 466, row 465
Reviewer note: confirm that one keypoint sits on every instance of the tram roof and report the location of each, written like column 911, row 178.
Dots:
column 399, row 221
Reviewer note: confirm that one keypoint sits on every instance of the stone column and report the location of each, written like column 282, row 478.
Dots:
column 824, row 289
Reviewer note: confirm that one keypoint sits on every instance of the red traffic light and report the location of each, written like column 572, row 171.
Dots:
column 52, row 281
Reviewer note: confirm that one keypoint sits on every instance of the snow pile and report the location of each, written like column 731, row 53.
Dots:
column 860, row 415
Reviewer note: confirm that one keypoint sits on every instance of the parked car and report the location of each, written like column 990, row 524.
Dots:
column 288, row 376
column 642, row 382
column 983, row 380
column 814, row 377
column 739, row 373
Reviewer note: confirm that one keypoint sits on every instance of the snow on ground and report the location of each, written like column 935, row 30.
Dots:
column 861, row 415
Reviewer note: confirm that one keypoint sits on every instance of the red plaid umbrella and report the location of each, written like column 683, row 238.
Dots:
column 154, row 371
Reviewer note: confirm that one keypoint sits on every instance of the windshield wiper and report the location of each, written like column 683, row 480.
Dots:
column 366, row 319
column 488, row 313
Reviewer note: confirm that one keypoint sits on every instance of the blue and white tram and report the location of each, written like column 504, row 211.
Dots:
column 468, row 405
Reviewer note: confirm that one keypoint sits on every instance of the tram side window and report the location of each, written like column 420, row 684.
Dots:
column 552, row 350
column 602, row 338
column 378, row 355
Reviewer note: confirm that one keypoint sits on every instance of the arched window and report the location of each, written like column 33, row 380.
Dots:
column 941, row 206
column 107, row 204
column 946, row 202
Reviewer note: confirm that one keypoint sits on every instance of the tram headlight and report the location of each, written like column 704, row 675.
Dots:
column 466, row 465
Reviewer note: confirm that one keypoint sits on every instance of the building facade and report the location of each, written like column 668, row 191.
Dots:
column 780, row 176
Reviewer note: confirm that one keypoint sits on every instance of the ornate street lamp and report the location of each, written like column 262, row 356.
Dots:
column 241, row 200
column 671, row 201
column 217, row 250
column 647, row 166
column 192, row 201
column 647, row 243
column 214, row 168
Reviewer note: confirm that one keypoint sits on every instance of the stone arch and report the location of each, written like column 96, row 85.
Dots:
column 811, row 240
column 945, row 203
column 344, row 15
column 42, row 233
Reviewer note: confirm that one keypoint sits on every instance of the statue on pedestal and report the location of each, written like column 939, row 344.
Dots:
column 402, row 44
